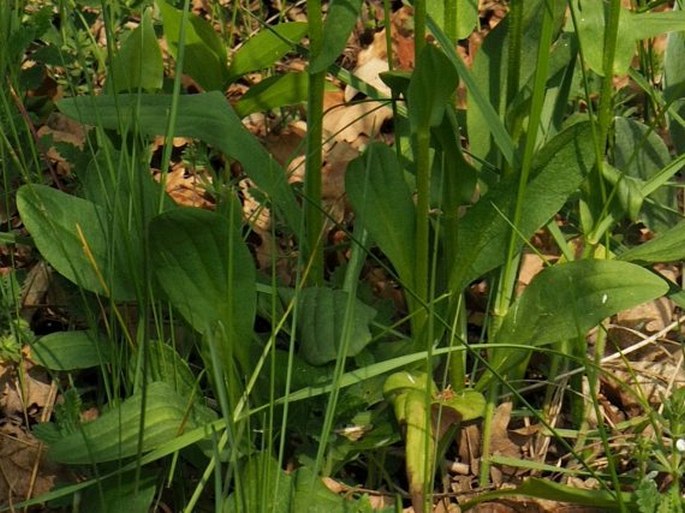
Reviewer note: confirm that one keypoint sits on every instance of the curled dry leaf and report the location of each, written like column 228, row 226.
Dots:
column 353, row 123
column 187, row 188
column 19, row 394
column 62, row 130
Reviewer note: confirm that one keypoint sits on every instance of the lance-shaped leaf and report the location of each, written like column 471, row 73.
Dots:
column 669, row 246
column 115, row 434
column 632, row 28
column 558, row 170
column 341, row 18
column 138, row 64
column 274, row 92
column 265, row 48
column 430, row 88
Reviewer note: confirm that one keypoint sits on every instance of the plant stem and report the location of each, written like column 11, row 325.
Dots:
column 605, row 111
column 491, row 405
column 451, row 26
column 420, row 284
column 508, row 280
column 515, row 34
column 312, row 182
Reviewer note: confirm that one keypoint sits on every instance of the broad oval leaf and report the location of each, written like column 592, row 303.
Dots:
column 205, row 269
column 74, row 235
column 115, row 434
column 566, row 300
column 70, row 350
column 321, row 322
column 457, row 17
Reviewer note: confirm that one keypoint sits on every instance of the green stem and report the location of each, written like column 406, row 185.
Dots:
column 451, row 26
column 515, row 36
column 420, row 284
column 507, row 281
column 492, row 399
column 605, row 110
column 506, row 291
column 312, row 183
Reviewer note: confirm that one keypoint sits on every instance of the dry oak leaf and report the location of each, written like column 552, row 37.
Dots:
column 62, row 130
column 18, row 395
column 21, row 457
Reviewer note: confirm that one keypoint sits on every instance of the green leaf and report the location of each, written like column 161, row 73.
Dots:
column 430, row 88
column 205, row 54
column 382, row 202
column 321, row 320
column 274, row 92
column 469, row 404
column 312, row 496
column 208, row 117
column 466, row 16
column 627, row 192
column 74, row 235
column 486, row 82
column 138, row 64
column 406, row 391
column 669, row 246
column 163, row 363
column 632, row 27
column 264, row 486
column 487, row 111
column 565, row 301
column 126, row 493
column 205, row 269
column 70, row 350
column 674, row 86
column 641, row 153
column 558, row 170
column 547, row 489
column 340, row 20
column 265, row 48
column 115, row 434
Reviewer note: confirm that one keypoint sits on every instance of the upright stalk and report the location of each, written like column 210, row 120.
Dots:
column 312, row 182
column 423, row 174
column 508, row 276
